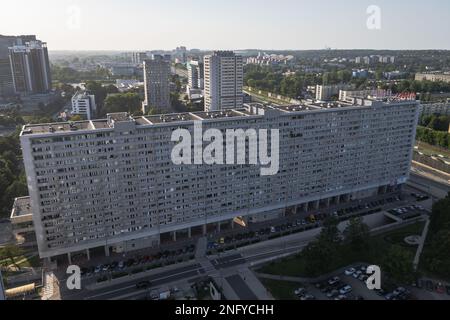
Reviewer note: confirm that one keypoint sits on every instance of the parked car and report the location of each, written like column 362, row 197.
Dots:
column 121, row 264
column 98, row 268
column 346, row 289
column 300, row 291
column 143, row 284
column 333, row 281
column 333, row 293
column 308, row 297
column 440, row 288
column 357, row 274
column 350, row 271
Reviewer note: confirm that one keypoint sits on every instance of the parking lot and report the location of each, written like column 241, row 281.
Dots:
column 298, row 223
column 349, row 284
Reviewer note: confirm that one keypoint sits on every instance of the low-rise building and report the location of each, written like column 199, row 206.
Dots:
column 433, row 76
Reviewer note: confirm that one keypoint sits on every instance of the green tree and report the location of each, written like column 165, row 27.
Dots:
column 397, row 263
column 330, row 231
column 357, row 235
column 122, row 102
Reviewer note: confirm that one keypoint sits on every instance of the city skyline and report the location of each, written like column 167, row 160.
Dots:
column 287, row 24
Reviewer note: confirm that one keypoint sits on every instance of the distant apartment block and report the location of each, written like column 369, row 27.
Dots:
column 435, row 108
column 157, row 83
column 326, row 92
column 195, row 74
column 433, row 76
column 138, row 57
column 224, row 79
column 6, row 79
column 30, row 68
column 111, row 183
column 83, row 104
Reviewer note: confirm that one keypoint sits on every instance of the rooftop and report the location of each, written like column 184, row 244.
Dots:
column 251, row 109
column 21, row 208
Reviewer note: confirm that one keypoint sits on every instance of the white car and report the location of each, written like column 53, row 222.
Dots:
column 346, row 290
column 357, row 274
column 333, row 281
column 300, row 291
column 350, row 271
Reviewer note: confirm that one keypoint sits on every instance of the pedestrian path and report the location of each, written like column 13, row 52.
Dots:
column 49, row 286
column 200, row 251
column 421, row 244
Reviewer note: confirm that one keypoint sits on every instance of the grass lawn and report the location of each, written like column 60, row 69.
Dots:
column 431, row 150
column 281, row 290
column 23, row 262
column 379, row 245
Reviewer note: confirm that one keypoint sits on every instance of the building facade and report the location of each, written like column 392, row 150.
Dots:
column 326, row 92
column 195, row 74
column 157, row 83
column 433, row 76
column 112, row 182
column 30, row 68
column 6, row 80
column 224, row 79
column 83, row 104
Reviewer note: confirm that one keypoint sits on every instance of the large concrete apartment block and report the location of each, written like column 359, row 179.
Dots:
column 111, row 182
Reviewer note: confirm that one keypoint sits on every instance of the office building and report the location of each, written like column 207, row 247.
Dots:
column 157, row 83
column 111, row 183
column 83, row 104
column 195, row 74
column 30, row 68
column 224, row 79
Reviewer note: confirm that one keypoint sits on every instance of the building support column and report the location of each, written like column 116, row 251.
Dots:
column 107, row 251
column 317, row 204
column 218, row 227
column 69, row 257
column 204, row 229
column 88, row 254
column 174, row 236
column 232, row 224
column 337, row 199
column 189, row 232
column 327, row 202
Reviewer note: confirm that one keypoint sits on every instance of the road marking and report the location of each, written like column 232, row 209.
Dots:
column 134, row 285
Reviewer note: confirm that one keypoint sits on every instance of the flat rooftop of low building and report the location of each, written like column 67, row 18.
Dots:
column 22, row 207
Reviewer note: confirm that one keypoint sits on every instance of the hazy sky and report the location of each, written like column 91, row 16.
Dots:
column 228, row 24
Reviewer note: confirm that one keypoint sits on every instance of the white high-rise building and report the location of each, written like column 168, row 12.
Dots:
column 195, row 74
column 112, row 183
column 83, row 104
column 224, row 79
column 157, row 83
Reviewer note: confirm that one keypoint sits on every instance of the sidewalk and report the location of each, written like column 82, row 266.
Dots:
column 421, row 244
column 255, row 285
